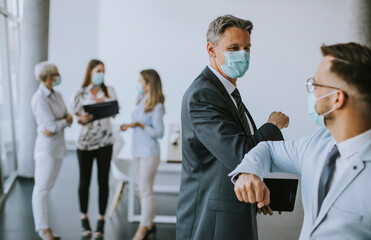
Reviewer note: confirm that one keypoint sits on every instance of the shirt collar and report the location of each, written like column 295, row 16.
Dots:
column 226, row 83
column 354, row 145
column 45, row 90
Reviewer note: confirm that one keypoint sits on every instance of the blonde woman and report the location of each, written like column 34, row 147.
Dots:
column 148, row 127
column 52, row 118
column 95, row 142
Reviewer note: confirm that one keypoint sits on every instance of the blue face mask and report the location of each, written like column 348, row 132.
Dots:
column 58, row 81
column 98, row 78
column 140, row 88
column 236, row 63
column 316, row 117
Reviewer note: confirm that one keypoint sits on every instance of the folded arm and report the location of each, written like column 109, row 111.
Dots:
column 45, row 119
column 282, row 156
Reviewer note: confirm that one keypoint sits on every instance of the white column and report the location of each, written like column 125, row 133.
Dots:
column 360, row 21
column 34, row 49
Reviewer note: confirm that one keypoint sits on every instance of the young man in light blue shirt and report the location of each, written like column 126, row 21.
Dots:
column 334, row 162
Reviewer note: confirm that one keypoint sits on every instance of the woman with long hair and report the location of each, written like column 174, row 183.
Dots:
column 95, row 142
column 148, row 127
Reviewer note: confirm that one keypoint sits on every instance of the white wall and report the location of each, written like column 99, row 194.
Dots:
column 170, row 36
column 73, row 41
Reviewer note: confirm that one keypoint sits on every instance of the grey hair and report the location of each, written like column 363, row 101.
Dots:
column 45, row 69
column 220, row 24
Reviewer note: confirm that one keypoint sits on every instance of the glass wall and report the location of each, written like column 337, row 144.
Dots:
column 9, row 90
column 12, row 7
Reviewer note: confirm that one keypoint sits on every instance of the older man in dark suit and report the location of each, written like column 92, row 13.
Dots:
column 217, row 130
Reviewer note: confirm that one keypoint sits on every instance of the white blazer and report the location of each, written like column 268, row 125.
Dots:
column 346, row 210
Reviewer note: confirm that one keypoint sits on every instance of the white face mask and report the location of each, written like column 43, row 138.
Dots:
column 319, row 119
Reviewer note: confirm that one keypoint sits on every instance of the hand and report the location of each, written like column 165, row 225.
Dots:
column 124, row 127
column 48, row 133
column 85, row 118
column 69, row 119
column 279, row 119
column 267, row 210
column 250, row 189
column 138, row 124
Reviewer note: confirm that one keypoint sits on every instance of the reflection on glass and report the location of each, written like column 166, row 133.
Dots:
column 8, row 156
column 14, row 58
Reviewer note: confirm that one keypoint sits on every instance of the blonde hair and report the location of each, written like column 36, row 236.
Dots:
column 45, row 69
column 155, row 96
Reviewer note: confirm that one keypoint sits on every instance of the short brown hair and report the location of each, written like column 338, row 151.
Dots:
column 218, row 26
column 352, row 64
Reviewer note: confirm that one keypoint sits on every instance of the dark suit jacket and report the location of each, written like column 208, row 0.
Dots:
column 214, row 143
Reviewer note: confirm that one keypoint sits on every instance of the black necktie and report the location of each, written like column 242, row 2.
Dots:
column 326, row 173
column 241, row 109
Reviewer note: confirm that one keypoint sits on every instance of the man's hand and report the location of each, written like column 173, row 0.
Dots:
column 279, row 119
column 69, row 119
column 250, row 189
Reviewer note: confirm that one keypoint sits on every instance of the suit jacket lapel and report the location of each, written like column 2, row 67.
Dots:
column 216, row 82
column 351, row 173
column 250, row 118
column 315, row 192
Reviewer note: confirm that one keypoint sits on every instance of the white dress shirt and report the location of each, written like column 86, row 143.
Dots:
column 348, row 150
column 230, row 88
column 50, row 112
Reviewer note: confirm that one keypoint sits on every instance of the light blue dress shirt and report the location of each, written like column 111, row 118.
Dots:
column 346, row 211
column 145, row 141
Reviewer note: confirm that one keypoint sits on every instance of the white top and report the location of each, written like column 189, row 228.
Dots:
column 50, row 112
column 98, row 133
column 230, row 88
column 348, row 150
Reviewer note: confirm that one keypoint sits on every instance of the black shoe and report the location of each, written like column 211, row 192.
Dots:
column 99, row 232
column 86, row 229
column 151, row 231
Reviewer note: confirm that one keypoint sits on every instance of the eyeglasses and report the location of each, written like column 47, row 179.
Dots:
column 55, row 74
column 311, row 86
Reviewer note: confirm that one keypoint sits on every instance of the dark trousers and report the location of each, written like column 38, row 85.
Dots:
column 86, row 159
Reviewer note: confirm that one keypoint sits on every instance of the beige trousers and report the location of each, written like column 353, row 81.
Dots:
column 145, row 172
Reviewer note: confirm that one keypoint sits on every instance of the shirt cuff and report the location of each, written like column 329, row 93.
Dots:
column 234, row 178
column 245, row 169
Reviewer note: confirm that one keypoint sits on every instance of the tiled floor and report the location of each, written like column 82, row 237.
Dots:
column 16, row 222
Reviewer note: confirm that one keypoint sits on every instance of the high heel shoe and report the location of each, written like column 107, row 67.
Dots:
column 46, row 236
column 153, row 231
column 99, row 232
column 86, row 229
